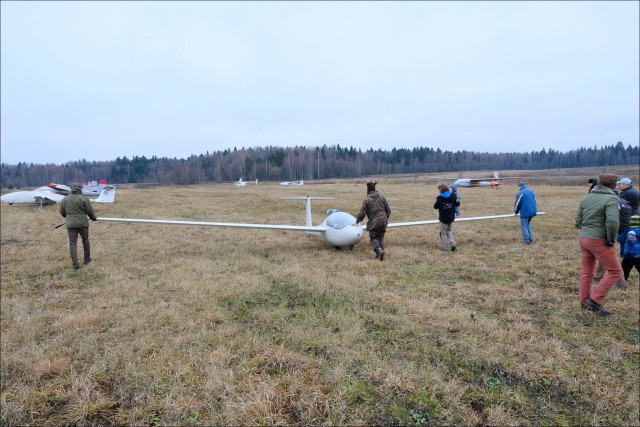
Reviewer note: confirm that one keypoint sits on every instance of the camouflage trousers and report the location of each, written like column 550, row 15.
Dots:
column 376, row 237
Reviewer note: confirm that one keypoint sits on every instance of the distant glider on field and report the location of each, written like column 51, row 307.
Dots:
column 494, row 181
column 48, row 196
column 93, row 188
column 338, row 228
column 241, row 183
column 291, row 184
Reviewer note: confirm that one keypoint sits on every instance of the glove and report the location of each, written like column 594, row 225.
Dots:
column 94, row 219
column 610, row 243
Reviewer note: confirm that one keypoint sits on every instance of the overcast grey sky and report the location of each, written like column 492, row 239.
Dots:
column 100, row 80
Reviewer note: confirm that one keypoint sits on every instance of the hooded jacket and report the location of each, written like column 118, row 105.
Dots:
column 598, row 215
column 625, row 214
column 377, row 210
column 633, row 197
column 76, row 208
column 446, row 203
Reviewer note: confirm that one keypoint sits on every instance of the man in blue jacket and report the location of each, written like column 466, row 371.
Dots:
column 526, row 206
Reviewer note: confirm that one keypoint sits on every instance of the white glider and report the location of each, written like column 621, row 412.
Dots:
column 48, row 197
column 338, row 228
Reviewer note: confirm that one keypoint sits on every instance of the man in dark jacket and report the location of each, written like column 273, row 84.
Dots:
column 631, row 194
column 377, row 210
column 446, row 203
column 76, row 208
column 527, row 207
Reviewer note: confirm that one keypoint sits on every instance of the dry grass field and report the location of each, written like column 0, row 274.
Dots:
column 185, row 325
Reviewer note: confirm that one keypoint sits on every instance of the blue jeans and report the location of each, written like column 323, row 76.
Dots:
column 525, row 225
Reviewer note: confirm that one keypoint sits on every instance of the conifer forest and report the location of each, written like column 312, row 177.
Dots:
column 305, row 163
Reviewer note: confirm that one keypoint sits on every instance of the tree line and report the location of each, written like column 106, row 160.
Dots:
column 304, row 163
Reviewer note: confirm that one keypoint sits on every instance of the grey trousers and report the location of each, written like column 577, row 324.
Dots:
column 446, row 236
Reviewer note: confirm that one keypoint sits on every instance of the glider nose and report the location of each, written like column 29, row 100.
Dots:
column 346, row 236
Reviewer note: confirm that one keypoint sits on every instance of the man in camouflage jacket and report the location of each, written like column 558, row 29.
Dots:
column 377, row 210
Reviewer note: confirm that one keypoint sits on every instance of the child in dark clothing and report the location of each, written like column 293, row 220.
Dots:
column 445, row 203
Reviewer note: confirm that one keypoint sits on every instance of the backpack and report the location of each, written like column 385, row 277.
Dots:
column 632, row 244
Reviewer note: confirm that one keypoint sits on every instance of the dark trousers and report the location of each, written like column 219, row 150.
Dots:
column 628, row 264
column 73, row 243
column 376, row 237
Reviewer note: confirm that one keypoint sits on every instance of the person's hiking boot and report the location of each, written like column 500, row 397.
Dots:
column 76, row 266
column 453, row 248
column 590, row 304
column 621, row 284
column 380, row 253
column 88, row 260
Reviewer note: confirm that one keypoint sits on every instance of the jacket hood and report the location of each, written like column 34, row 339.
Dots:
column 446, row 194
column 602, row 189
column 76, row 188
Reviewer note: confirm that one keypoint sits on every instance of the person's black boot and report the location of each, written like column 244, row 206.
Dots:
column 590, row 304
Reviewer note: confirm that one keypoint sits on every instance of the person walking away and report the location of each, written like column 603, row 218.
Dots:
column 592, row 183
column 446, row 203
column 377, row 210
column 631, row 194
column 598, row 220
column 526, row 205
column 454, row 191
column 631, row 248
column 76, row 208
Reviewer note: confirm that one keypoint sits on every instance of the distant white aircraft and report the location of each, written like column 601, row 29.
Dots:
column 241, row 183
column 48, row 197
column 93, row 188
column 494, row 181
column 338, row 228
column 294, row 183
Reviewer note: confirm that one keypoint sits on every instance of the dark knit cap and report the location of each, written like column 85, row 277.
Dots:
column 371, row 186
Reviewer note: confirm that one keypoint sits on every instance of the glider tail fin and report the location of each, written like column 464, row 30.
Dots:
column 107, row 195
column 308, row 206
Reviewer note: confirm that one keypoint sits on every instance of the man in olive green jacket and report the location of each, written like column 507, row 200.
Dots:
column 76, row 208
column 598, row 219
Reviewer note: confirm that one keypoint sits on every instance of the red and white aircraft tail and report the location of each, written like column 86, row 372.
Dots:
column 107, row 195
column 93, row 188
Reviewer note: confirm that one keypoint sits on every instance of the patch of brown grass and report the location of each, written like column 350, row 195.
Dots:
column 174, row 325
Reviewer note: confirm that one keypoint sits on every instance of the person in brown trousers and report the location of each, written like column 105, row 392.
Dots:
column 76, row 208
